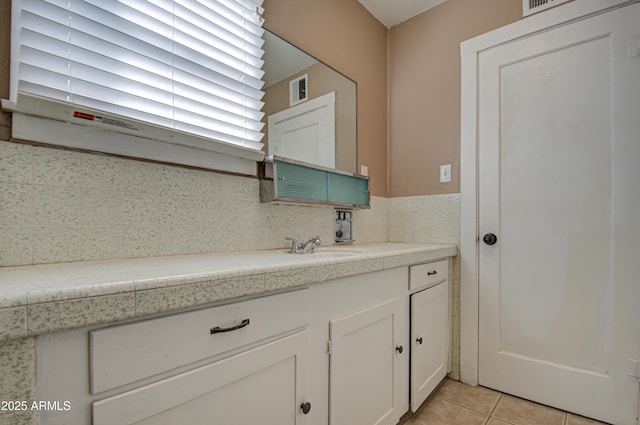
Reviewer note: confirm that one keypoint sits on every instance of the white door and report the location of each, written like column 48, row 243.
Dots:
column 559, row 186
column 429, row 341
column 306, row 132
column 364, row 385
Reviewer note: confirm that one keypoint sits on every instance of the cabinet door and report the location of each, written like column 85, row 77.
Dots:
column 294, row 181
column 265, row 385
column 345, row 189
column 429, row 341
column 365, row 352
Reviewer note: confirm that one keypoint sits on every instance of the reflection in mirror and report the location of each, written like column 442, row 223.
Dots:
column 310, row 109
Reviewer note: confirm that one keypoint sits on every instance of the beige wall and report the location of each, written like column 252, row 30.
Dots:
column 344, row 35
column 424, row 91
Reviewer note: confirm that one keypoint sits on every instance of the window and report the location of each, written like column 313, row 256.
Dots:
column 176, row 78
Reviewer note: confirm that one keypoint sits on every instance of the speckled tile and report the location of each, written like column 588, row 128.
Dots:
column 103, row 172
column 178, row 181
column 140, row 241
column 232, row 188
column 16, row 203
column 13, row 322
column 57, row 244
column 57, row 167
column 53, row 316
column 16, row 245
column 432, row 218
column 16, row 162
column 523, row 412
column 18, row 369
column 174, row 240
column 480, row 399
column 28, row 417
column 102, row 242
column 370, row 225
column 141, row 209
column 142, row 177
column 288, row 279
column 172, row 298
column 16, row 282
column 397, row 261
column 102, row 207
column 354, row 267
column 437, row 411
column 223, row 289
column 70, row 281
column 57, row 205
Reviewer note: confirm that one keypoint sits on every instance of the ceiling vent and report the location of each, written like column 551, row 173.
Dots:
column 529, row 7
column 298, row 90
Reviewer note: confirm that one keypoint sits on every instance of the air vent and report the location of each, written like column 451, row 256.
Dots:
column 298, row 90
column 529, row 7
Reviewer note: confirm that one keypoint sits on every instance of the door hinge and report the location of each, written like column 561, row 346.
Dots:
column 633, row 369
column 328, row 346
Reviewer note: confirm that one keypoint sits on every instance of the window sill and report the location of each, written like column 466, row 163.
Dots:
column 221, row 157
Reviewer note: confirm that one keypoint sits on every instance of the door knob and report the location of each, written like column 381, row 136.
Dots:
column 490, row 239
column 306, row 407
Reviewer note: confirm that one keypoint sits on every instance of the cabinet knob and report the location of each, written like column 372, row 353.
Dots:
column 399, row 349
column 419, row 340
column 306, row 407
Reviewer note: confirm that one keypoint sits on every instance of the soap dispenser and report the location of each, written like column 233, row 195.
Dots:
column 343, row 226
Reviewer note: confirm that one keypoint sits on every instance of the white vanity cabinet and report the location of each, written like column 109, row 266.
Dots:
column 429, row 328
column 366, row 350
column 356, row 350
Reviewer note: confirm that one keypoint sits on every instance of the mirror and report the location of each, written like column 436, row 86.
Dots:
column 308, row 130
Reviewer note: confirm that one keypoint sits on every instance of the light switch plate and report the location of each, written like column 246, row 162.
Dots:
column 445, row 173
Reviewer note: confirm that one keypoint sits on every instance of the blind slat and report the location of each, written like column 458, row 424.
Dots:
column 194, row 66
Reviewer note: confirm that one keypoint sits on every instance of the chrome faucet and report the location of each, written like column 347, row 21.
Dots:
column 306, row 248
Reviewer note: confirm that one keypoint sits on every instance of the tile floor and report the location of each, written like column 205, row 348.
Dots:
column 455, row 403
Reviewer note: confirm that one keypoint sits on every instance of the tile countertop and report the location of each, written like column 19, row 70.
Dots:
column 52, row 297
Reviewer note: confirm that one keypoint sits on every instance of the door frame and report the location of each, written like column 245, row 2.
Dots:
column 469, row 234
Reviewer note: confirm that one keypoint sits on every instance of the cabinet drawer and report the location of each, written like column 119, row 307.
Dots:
column 425, row 275
column 127, row 353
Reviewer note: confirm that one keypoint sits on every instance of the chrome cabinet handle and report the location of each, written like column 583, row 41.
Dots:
column 218, row 329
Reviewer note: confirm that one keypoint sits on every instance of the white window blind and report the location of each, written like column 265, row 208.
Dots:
column 142, row 67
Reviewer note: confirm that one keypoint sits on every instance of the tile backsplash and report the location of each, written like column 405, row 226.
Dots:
column 58, row 206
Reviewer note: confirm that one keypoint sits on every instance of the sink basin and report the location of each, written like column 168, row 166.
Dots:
column 335, row 252
column 328, row 252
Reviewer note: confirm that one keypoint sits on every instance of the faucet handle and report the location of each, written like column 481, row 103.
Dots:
column 294, row 243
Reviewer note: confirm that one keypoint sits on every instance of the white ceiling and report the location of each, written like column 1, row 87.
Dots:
column 393, row 12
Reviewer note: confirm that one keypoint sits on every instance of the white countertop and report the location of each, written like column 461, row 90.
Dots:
column 49, row 297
